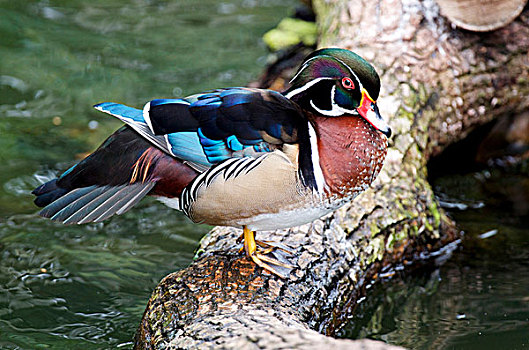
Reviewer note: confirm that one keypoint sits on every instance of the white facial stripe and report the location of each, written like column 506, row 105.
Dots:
column 315, row 157
column 306, row 86
column 147, row 117
column 305, row 65
column 336, row 110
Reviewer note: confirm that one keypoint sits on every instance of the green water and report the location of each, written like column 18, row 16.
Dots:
column 85, row 287
column 479, row 297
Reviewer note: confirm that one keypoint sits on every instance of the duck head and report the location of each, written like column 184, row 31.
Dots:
column 333, row 82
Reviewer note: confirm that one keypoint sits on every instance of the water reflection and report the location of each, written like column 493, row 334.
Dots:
column 479, row 298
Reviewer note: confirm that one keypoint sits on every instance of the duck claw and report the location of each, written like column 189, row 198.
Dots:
column 260, row 255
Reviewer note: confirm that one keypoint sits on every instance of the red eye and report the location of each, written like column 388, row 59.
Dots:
column 348, row 83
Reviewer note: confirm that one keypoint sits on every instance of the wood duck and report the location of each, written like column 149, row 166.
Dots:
column 243, row 157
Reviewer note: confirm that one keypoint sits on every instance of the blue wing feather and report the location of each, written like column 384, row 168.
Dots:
column 121, row 111
column 211, row 127
column 187, row 146
column 234, row 144
column 164, row 101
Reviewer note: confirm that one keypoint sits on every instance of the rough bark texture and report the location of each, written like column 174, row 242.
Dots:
column 438, row 84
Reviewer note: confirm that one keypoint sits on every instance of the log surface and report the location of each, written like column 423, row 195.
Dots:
column 481, row 15
column 438, row 84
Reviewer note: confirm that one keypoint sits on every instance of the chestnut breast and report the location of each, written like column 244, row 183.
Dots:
column 351, row 153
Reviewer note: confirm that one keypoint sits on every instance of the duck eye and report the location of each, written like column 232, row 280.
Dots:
column 348, row 83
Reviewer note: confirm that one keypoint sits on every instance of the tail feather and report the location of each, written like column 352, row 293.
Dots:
column 54, row 207
column 80, row 211
column 104, row 206
column 132, row 198
column 125, row 199
column 111, row 180
column 95, row 203
column 77, row 204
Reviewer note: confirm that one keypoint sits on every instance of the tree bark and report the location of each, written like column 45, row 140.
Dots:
column 438, row 84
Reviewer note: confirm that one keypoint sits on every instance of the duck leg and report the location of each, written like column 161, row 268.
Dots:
column 258, row 257
column 268, row 246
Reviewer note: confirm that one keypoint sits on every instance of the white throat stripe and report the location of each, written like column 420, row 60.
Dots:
column 315, row 157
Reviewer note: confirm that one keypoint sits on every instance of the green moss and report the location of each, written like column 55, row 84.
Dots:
column 391, row 241
column 277, row 39
column 289, row 32
column 427, row 223
column 401, row 235
column 434, row 210
column 423, row 94
column 522, row 80
column 414, row 229
column 375, row 249
column 198, row 253
column 410, row 101
column 374, row 229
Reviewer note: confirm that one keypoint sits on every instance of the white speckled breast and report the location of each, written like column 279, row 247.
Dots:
column 351, row 154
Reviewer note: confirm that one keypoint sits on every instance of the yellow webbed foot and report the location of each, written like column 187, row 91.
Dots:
column 259, row 256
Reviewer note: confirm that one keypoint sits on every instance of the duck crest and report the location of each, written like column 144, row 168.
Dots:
column 351, row 154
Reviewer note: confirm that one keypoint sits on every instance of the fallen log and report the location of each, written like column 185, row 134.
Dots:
column 438, row 84
column 479, row 15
